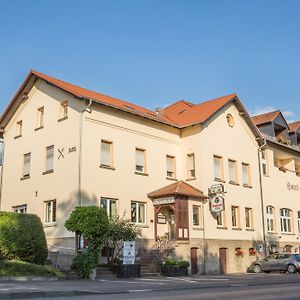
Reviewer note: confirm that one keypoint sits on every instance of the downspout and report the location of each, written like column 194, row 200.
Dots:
column 2, row 166
column 204, row 238
column 262, row 197
column 79, row 200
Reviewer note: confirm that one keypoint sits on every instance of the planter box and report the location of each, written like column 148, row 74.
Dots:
column 126, row 271
column 172, row 271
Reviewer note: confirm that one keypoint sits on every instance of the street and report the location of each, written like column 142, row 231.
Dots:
column 240, row 286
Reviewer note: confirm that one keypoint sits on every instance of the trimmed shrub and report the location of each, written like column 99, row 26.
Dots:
column 22, row 237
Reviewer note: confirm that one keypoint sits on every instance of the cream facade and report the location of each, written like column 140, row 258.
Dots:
column 63, row 150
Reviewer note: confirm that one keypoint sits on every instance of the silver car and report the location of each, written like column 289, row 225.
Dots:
column 277, row 262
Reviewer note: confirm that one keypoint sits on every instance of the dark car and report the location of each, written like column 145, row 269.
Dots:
column 277, row 262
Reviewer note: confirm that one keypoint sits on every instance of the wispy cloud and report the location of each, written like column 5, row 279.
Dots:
column 289, row 115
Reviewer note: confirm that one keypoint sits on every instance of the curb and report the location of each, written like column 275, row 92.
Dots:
column 27, row 278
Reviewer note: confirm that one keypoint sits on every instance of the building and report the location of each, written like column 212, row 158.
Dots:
column 66, row 146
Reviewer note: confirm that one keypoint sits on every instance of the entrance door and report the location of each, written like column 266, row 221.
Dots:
column 194, row 261
column 223, row 260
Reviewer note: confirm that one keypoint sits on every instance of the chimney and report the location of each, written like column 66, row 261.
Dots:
column 159, row 111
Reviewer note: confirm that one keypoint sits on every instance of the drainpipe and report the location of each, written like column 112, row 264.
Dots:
column 2, row 166
column 204, row 239
column 262, row 196
column 79, row 200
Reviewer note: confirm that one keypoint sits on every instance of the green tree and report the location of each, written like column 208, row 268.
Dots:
column 92, row 223
column 120, row 230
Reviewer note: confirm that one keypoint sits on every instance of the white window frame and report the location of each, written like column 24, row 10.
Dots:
column 270, row 216
column 50, row 216
column 171, row 172
column 21, row 209
column 40, row 117
column 191, row 169
column 19, row 129
column 140, row 167
column 264, row 162
column 49, row 165
column 26, row 165
column 218, row 168
column 104, row 163
column 108, row 205
column 286, row 220
column 63, row 110
column 138, row 204
column 246, row 180
column 199, row 213
column 221, row 219
column 232, row 167
column 249, row 216
column 235, row 212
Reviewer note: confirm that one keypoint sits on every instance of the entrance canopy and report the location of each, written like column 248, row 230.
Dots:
column 179, row 188
column 171, row 209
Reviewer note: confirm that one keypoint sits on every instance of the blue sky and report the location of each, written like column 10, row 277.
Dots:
column 153, row 53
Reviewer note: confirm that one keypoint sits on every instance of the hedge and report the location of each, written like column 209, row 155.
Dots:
column 22, row 237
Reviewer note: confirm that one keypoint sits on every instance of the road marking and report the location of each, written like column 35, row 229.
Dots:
column 137, row 291
column 132, row 282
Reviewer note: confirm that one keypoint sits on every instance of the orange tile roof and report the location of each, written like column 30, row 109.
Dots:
column 265, row 118
column 187, row 115
column 294, row 126
column 177, row 188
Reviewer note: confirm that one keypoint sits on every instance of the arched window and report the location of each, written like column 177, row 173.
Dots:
column 270, row 218
column 287, row 249
column 285, row 220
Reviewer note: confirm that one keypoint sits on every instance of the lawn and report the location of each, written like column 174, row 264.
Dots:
column 9, row 268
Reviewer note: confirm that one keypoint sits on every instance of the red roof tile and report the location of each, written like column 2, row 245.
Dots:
column 177, row 188
column 266, row 117
column 294, row 126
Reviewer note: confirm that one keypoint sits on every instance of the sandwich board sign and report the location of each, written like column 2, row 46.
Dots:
column 129, row 253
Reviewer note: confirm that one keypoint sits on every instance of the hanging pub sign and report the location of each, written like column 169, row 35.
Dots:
column 216, row 189
column 217, row 204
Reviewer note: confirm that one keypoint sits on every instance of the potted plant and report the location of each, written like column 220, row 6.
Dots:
column 173, row 267
column 238, row 252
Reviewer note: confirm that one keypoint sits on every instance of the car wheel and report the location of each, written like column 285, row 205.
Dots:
column 291, row 269
column 257, row 269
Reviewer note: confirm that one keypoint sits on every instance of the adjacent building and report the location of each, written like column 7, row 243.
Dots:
column 220, row 187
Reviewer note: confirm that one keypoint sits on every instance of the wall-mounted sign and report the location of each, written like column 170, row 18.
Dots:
column 72, row 149
column 161, row 219
column 217, row 204
column 129, row 253
column 293, row 187
column 216, row 189
column 161, row 201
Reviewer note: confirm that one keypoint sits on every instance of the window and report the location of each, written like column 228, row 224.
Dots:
column 246, row 174
column 21, row 209
column 298, row 219
column 264, row 162
column 26, row 166
column 270, row 218
column 191, row 165
column 285, row 220
column 249, row 218
column 106, row 154
column 197, row 215
column 110, row 205
column 138, row 212
column 171, row 166
column 140, row 159
column 218, row 168
column 221, row 219
column 235, row 216
column 232, row 171
column 49, row 158
column 40, row 118
column 63, row 114
column 50, row 211
column 19, row 127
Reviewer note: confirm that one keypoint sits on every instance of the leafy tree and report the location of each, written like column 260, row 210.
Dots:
column 120, row 230
column 92, row 223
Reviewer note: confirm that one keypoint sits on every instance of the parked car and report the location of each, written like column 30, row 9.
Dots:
column 277, row 262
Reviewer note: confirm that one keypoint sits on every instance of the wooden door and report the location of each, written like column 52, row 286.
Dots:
column 194, row 261
column 223, row 260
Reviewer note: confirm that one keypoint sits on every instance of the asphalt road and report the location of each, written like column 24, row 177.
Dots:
column 243, row 286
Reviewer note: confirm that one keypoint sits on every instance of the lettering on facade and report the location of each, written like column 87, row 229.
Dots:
column 72, row 149
column 293, row 187
column 161, row 201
